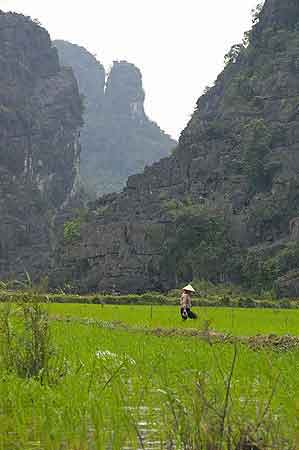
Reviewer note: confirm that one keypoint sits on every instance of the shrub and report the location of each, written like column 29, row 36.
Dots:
column 246, row 302
column 259, row 272
column 72, row 228
column 71, row 231
column 200, row 245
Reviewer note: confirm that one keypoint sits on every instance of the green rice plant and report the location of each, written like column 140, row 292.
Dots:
column 125, row 390
column 208, row 416
column 26, row 347
column 234, row 321
column 25, row 343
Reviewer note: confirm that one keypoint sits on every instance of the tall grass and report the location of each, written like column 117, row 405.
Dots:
column 26, row 347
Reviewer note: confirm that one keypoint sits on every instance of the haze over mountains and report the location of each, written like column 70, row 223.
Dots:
column 117, row 139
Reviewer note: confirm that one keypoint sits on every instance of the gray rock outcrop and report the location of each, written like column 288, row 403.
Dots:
column 40, row 116
column 117, row 139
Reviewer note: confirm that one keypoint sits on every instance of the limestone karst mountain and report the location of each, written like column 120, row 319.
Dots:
column 118, row 139
column 224, row 206
column 221, row 206
column 40, row 116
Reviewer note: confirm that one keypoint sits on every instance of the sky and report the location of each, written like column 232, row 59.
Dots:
column 179, row 46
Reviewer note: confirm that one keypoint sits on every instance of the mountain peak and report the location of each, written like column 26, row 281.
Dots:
column 124, row 91
column 118, row 139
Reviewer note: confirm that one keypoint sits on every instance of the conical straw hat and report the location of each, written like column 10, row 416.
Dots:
column 188, row 288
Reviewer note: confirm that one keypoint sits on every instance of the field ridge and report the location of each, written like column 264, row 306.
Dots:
column 282, row 343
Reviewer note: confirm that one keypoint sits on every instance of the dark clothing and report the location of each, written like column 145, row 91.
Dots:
column 186, row 312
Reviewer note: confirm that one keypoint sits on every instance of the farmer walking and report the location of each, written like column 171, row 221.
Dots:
column 185, row 303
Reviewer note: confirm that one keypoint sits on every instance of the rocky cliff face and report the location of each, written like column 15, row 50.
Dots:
column 279, row 14
column 118, row 139
column 220, row 207
column 40, row 115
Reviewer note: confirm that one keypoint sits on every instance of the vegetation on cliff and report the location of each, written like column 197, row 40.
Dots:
column 247, row 124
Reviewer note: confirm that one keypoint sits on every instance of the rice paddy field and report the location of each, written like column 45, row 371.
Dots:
column 118, row 382
column 240, row 322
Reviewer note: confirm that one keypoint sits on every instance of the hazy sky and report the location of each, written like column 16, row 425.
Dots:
column 178, row 45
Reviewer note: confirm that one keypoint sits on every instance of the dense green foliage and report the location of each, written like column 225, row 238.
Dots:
column 207, row 295
column 202, row 246
column 261, row 272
